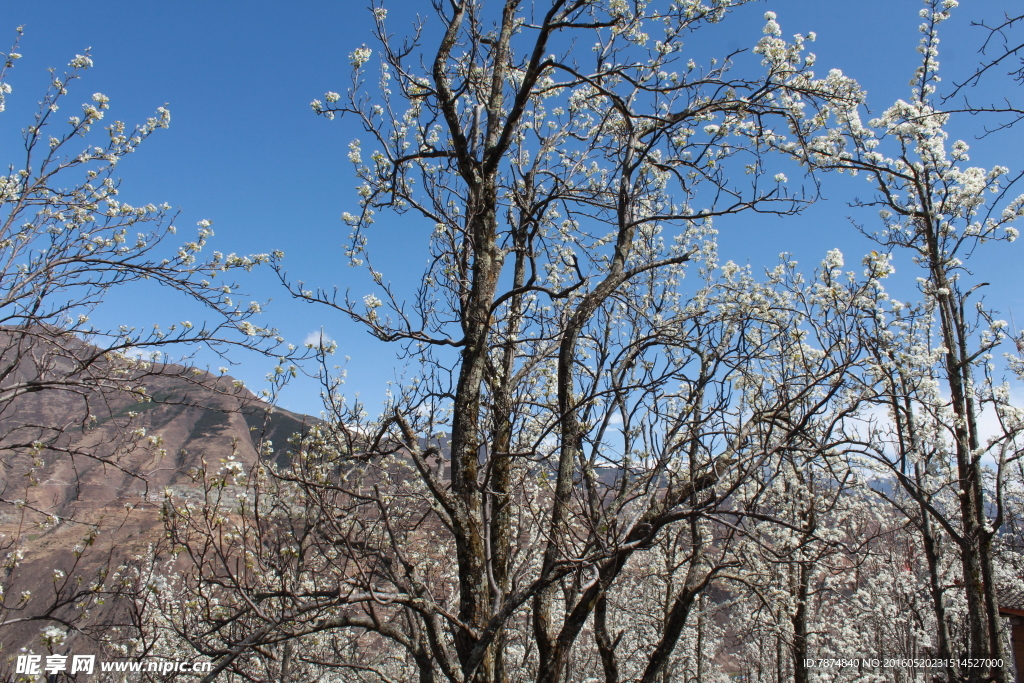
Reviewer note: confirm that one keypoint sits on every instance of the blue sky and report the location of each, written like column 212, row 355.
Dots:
column 245, row 151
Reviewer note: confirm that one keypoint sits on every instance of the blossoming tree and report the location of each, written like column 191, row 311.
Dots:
column 608, row 449
column 935, row 208
column 569, row 395
column 67, row 241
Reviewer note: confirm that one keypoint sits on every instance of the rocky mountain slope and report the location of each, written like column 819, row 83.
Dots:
column 85, row 460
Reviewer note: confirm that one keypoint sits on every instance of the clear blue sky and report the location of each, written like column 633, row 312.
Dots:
column 245, row 150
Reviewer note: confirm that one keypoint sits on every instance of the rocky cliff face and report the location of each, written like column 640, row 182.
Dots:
column 86, row 453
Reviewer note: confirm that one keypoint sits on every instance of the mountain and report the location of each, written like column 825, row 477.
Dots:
column 90, row 441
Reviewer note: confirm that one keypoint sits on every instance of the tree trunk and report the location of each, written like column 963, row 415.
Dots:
column 697, row 578
column 605, row 644
column 803, row 574
column 474, row 602
column 935, row 589
column 286, row 662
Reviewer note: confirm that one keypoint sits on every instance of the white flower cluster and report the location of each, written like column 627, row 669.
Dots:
column 359, row 56
column 80, row 62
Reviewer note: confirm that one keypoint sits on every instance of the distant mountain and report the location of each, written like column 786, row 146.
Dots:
column 105, row 450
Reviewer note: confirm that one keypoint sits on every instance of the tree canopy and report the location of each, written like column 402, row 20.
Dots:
column 611, row 456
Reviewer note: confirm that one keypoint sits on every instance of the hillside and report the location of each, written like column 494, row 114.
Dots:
column 104, row 454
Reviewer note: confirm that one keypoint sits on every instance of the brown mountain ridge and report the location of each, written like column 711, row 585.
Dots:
column 88, row 444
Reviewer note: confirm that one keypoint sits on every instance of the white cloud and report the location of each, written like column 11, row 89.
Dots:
column 135, row 353
column 317, row 338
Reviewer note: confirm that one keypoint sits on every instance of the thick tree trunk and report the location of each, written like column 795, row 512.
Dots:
column 984, row 623
column 286, row 662
column 673, row 627
column 605, row 644
column 499, row 488
column 700, row 639
column 803, row 580
column 424, row 665
column 697, row 578
column 466, row 439
column 780, row 661
column 935, row 590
